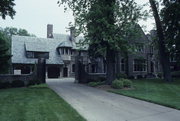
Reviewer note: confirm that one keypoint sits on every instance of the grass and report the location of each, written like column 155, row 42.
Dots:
column 156, row 91
column 36, row 103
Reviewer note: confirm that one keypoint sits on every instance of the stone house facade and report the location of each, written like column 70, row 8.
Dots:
column 60, row 51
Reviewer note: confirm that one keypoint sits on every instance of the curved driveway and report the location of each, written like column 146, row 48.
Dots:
column 98, row 105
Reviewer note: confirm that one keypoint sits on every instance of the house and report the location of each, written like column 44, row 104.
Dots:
column 60, row 50
column 143, row 62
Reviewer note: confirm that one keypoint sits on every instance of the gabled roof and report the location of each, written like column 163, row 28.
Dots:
column 67, row 43
column 21, row 43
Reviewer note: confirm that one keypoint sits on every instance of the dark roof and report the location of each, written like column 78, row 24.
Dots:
column 22, row 43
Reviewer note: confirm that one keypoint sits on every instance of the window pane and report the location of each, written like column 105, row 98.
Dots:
column 139, row 65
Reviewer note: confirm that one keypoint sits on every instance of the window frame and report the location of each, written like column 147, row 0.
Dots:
column 143, row 65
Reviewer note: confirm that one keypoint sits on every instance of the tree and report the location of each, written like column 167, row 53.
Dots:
column 4, row 54
column 23, row 32
column 170, row 15
column 9, row 31
column 163, row 53
column 6, row 8
column 105, row 25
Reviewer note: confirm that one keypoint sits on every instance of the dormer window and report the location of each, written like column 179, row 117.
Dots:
column 33, row 54
column 139, row 48
column 64, row 51
column 67, row 51
column 64, row 48
column 29, row 54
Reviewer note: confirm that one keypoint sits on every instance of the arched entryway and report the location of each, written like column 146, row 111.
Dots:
column 53, row 72
column 65, row 72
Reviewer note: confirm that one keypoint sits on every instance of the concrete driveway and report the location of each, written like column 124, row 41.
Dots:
column 98, row 105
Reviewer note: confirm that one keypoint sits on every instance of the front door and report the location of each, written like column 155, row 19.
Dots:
column 65, row 72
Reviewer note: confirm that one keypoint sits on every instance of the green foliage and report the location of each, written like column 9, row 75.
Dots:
column 4, row 53
column 121, row 75
column 105, row 22
column 9, row 31
column 117, row 84
column 175, row 74
column 127, row 83
column 170, row 15
column 107, row 25
column 121, row 83
column 94, row 84
column 6, row 8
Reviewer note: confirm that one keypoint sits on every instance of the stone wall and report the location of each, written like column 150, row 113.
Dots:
column 26, row 78
column 36, row 77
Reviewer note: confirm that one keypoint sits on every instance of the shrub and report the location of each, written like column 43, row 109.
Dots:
column 17, row 83
column 117, row 84
column 175, row 74
column 121, row 75
column 127, row 83
column 4, row 85
column 94, row 84
column 159, row 75
column 31, row 82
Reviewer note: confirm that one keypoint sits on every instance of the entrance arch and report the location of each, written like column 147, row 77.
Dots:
column 53, row 72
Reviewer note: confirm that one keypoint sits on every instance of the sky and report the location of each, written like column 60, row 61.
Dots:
column 34, row 15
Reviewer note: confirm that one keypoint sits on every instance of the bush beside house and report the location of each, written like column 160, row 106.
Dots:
column 121, row 83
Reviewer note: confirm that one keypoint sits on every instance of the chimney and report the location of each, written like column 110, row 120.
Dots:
column 72, row 34
column 49, row 31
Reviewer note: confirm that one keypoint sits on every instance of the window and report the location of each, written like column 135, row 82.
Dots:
column 63, row 51
column 173, row 58
column 73, row 67
column 93, row 68
column 72, row 53
column 139, row 47
column 37, row 55
column 140, row 65
column 66, row 49
column 122, row 64
column 41, row 55
column 29, row 54
column 151, row 49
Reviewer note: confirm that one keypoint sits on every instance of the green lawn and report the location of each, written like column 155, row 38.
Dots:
column 156, row 91
column 37, row 103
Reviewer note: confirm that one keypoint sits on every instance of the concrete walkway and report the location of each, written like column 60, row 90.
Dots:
column 98, row 105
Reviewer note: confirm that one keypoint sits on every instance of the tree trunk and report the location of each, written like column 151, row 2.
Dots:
column 164, row 55
column 110, row 59
column 110, row 53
